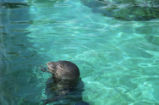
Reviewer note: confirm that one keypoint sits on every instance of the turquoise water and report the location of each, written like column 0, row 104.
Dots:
column 118, row 60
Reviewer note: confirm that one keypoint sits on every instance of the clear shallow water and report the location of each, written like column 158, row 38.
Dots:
column 118, row 59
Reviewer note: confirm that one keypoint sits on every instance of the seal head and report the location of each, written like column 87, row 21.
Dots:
column 64, row 70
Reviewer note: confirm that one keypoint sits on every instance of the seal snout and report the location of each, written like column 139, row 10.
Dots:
column 51, row 66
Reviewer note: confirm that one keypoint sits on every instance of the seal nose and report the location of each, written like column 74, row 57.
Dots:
column 51, row 65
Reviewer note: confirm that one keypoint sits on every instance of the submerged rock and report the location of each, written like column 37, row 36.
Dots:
column 126, row 9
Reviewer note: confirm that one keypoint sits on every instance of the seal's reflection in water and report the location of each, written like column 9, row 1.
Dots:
column 65, row 87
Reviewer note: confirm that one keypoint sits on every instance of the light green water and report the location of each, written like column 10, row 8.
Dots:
column 118, row 60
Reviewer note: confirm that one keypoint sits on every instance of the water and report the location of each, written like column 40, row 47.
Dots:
column 118, row 59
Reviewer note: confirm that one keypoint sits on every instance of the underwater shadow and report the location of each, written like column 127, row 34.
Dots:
column 58, row 97
column 18, row 58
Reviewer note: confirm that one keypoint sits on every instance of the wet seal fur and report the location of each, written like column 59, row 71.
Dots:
column 65, row 86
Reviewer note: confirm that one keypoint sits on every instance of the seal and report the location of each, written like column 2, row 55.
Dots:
column 64, row 71
column 65, row 86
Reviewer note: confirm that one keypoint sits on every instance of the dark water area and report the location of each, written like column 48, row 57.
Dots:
column 20, row 60
column 126, row 10
column 18, row 82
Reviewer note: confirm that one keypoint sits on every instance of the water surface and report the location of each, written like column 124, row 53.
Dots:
column 118, row 59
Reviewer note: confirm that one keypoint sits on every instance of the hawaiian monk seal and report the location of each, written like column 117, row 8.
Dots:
column 64, row 71
column 65, row 84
